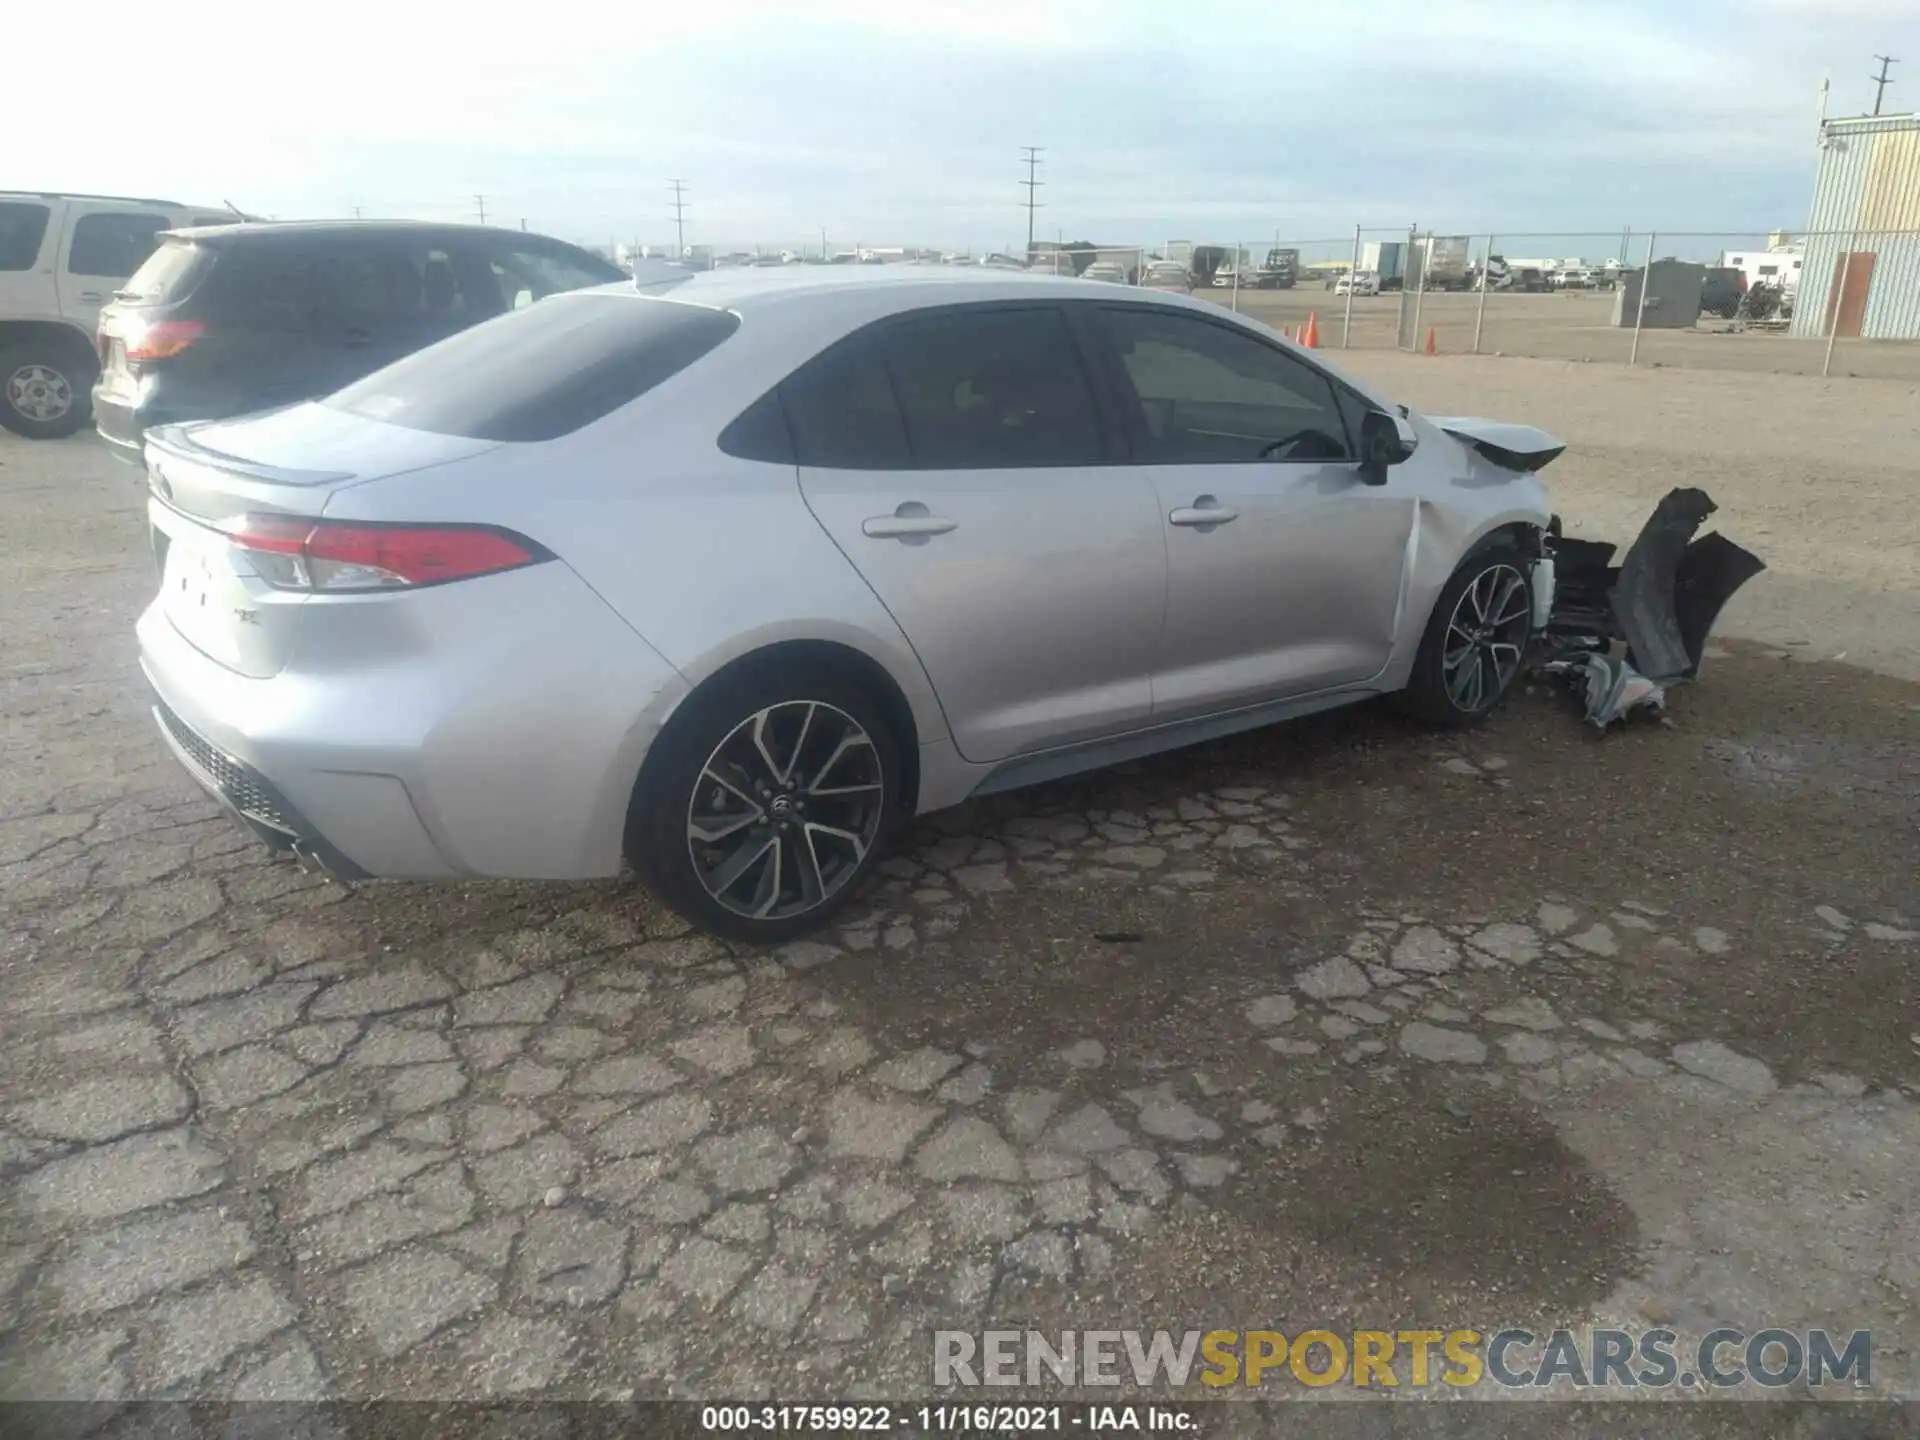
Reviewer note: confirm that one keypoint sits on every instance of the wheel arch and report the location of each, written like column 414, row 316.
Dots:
column 805, row 655
column 56, row 332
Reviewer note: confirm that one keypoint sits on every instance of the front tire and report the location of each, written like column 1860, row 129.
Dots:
column 46, row 388
column 766, row 802
column 1476, row 639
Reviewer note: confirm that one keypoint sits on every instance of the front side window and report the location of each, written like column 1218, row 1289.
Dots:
column 22, row 228
column 1210, row 394
column 113, row 246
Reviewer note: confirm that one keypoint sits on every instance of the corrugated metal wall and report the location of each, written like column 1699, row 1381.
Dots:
column 1867, row 202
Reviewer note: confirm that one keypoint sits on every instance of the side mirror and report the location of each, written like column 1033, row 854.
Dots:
column 1385, row 441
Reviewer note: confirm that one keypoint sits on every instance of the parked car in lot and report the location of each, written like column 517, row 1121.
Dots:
column 1108, row 270
column 1364, row 282
column 229, row 319
column 1168, row 275
column 61, row 257
column 726, row 575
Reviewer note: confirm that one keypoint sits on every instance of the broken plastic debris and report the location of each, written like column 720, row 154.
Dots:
column 1614, row 689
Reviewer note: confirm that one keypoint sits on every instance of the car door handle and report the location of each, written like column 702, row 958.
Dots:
column 91, row 297
column 356, row 337
column 901, row 527
column 1202, row 514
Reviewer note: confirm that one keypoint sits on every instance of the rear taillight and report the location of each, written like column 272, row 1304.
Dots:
column 161, row 339
column 292, row 553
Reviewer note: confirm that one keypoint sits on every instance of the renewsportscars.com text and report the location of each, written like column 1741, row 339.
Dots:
column 1610, row 1359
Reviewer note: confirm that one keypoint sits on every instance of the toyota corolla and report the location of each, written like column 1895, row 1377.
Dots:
column 723, row 575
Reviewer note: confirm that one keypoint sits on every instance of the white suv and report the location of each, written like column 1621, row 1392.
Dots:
column 61, row 259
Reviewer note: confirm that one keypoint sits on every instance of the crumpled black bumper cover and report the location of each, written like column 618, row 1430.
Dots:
column 1661, row 601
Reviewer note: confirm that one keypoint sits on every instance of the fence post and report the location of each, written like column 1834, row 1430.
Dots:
column 1833, row 309
column 1236, row 277
column 1640, row 303
column 1480, row 315
column 1419, row 289
column 1346, row 335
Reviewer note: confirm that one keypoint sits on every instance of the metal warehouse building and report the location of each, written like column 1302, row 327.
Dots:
column 1861, row 275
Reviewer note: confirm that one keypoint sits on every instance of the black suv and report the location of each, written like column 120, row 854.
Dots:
column 1721, row 290
column 228, row 319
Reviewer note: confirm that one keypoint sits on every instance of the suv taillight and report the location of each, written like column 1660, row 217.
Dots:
column 293, row 553
column 160, row 339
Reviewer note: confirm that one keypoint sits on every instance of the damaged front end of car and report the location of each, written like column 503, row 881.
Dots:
column 1621, row 636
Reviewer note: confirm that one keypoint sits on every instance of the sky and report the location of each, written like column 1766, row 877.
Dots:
column 893, row 122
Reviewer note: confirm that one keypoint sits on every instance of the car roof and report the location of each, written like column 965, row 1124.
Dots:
column 827, row 286
column 267, row 229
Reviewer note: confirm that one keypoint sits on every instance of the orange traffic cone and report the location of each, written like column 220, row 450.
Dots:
column 1431, row 348
column 1312, row 338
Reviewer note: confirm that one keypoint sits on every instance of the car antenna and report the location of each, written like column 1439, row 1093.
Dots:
column 236, row 209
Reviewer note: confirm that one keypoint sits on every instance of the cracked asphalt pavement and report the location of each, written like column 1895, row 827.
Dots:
column 1335, row 1025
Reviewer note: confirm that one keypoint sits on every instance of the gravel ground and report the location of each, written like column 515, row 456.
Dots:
column 1334, row 1025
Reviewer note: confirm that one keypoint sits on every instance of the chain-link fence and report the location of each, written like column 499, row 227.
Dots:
column 1817, row 304
column 1825, row 303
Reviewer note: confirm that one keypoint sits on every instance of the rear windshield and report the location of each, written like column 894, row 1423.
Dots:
column 540, row 372
column 169, row 274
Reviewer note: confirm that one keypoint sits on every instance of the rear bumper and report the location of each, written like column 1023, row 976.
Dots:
column 485, row 730
column 250, row 798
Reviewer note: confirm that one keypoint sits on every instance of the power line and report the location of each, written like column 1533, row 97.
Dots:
column 481, row 202
column 1032, row 187
column 1881, row 81
column 680, row 215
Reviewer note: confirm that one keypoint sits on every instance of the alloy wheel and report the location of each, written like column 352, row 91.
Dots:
column 1486, row 635
column 40, row 393
column 786, row 810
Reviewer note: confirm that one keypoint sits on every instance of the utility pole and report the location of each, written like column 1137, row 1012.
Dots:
column 356, row 212
column 523, row 222
column 823, row 244
column 1881, row 81
column 680, row 215
column 1033, row 188
column 481, row 202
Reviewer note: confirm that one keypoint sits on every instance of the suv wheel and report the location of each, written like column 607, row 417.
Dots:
column 45, row 388
column 1476, row 639
column 766, row 803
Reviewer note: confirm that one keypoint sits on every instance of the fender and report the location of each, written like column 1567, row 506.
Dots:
column 1516, row 447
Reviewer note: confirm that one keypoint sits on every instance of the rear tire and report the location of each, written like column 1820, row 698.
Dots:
column 46, row 387
column 766, row 802
column 1476, row 639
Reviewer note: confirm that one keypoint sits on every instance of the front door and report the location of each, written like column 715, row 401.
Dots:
column 960, row 461
column 1284, row 567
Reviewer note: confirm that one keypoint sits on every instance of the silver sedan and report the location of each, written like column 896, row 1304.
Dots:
column 722, row 575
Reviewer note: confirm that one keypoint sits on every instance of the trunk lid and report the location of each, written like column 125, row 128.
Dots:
column 207, row 475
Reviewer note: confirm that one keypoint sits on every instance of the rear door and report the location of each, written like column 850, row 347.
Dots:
column 104, row 244
column 960, row 460
column 1284, row 567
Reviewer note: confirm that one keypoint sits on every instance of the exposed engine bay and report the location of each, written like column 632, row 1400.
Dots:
column 1622, row 635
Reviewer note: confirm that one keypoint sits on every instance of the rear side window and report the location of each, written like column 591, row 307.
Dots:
column 530, row 272
column 993, row 389
column 541, row 372
column 963, row 389
column 22, row 228
column 169, row 274
column 114, row 245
